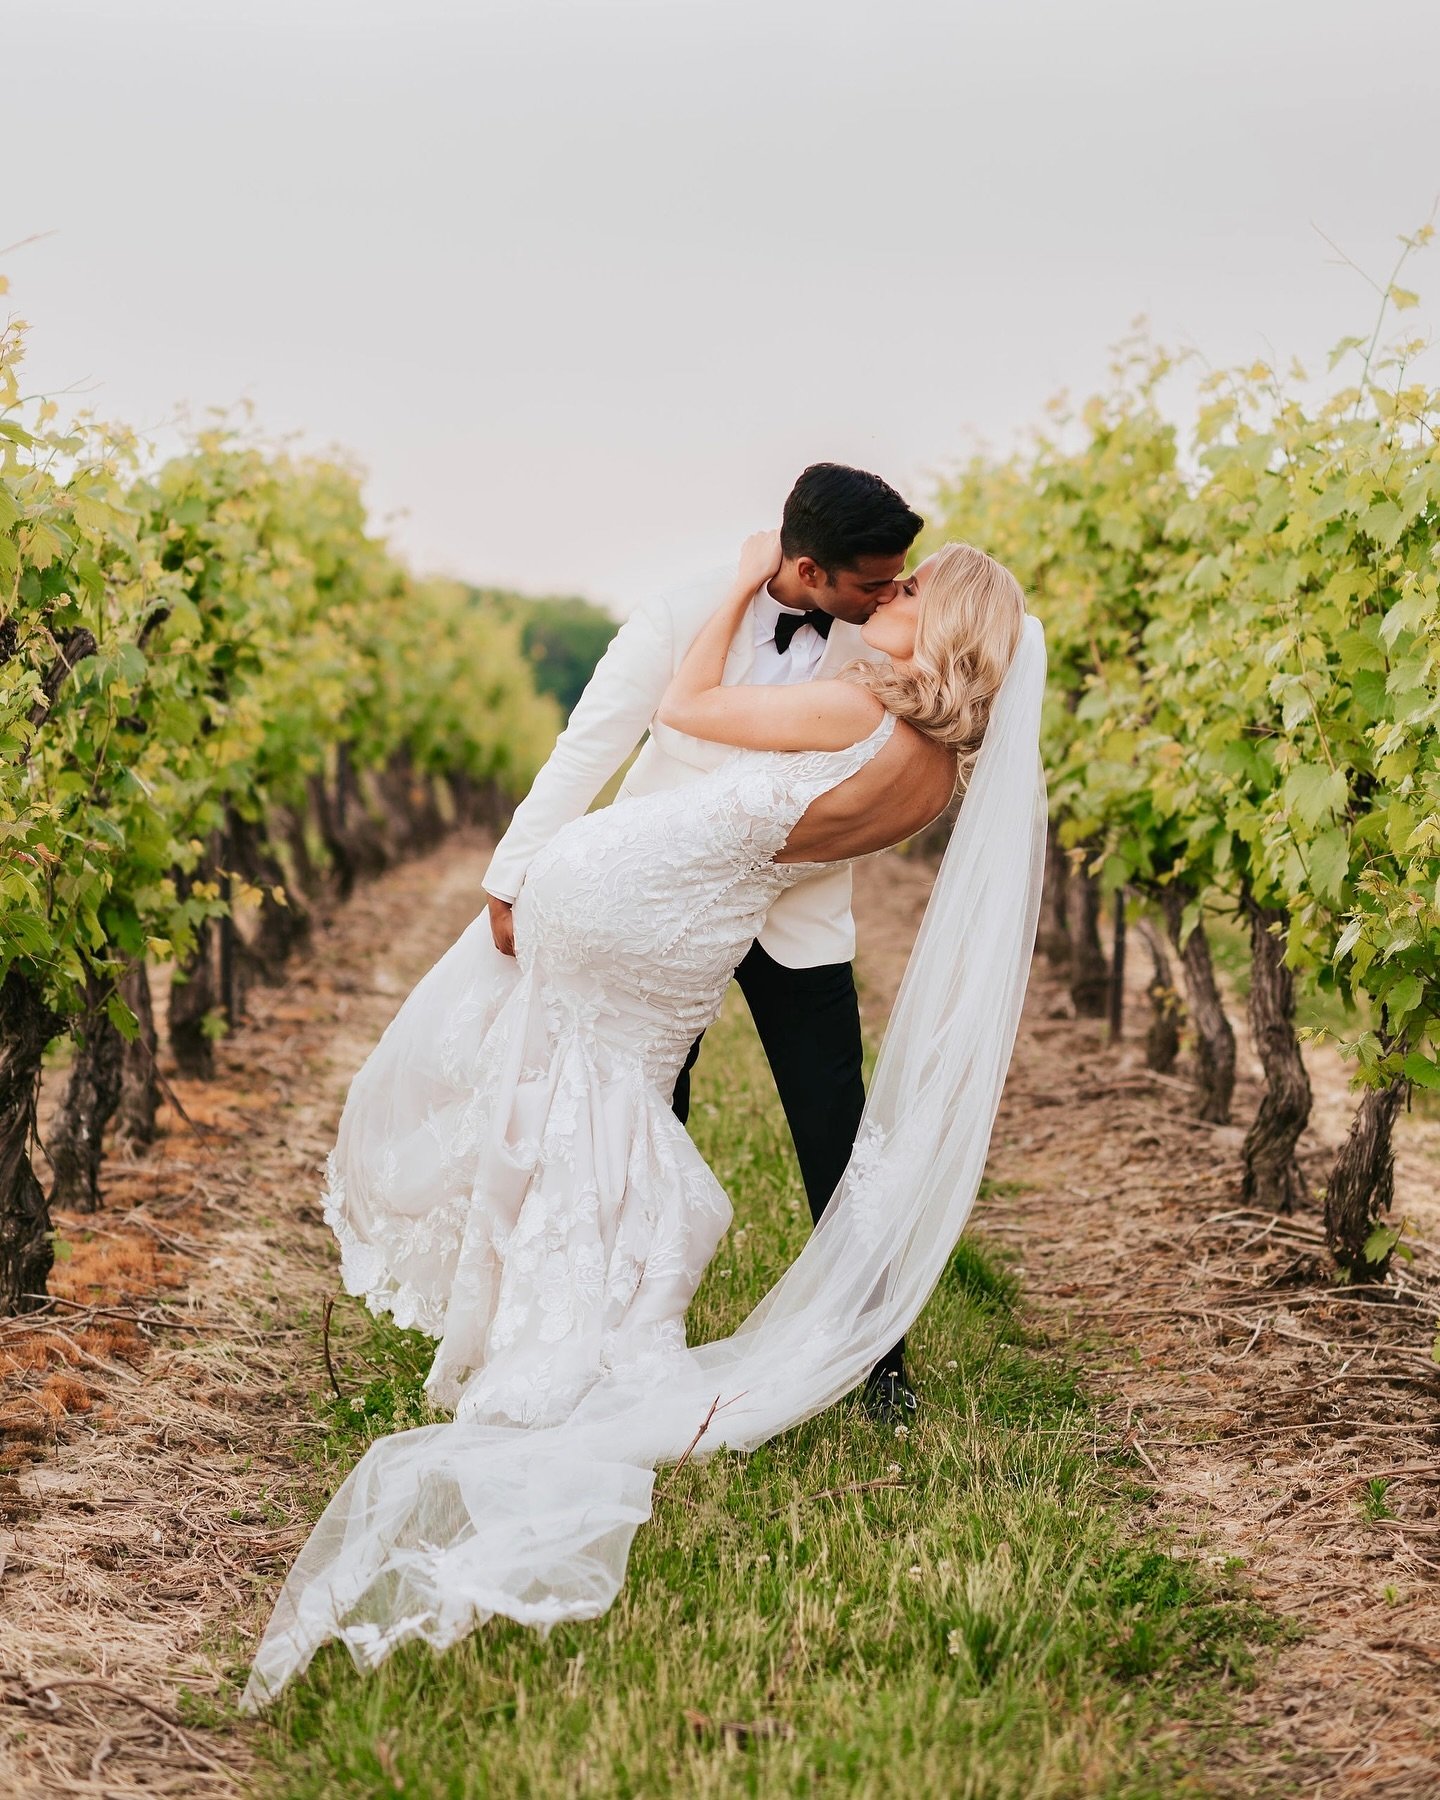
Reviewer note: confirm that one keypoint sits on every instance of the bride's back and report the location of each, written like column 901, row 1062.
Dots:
column 898, row 792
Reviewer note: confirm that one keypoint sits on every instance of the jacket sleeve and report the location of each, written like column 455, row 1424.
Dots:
column 608, row 721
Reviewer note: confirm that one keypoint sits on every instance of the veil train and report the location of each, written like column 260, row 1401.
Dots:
column 437, row 1529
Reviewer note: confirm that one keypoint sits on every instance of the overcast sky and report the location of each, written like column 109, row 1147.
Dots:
column 585, row 283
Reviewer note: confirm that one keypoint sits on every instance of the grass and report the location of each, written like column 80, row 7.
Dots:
column 992, row 1621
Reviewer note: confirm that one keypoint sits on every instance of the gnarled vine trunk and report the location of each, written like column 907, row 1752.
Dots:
column 342, row 863
column 395, row 787
column 1361, row 1186
column 228, row 950
column 1089, row 972
column 1054, row 933
column 283, row 926
column 26, row 1025
column 139, row 1078
column 1272, row 1174
column 1214, row 1035
column 1162, row 1037
column 354, row 844
column 412, row 811
column 367, row 846
column 194, row 993
column 1115, row 997
column 91, row 1095
column 484, row 803
column 290, row 825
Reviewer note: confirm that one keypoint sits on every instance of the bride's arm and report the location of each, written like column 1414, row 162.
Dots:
column 812, row 715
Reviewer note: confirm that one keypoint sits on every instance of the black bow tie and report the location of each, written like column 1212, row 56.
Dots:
column 789, row 623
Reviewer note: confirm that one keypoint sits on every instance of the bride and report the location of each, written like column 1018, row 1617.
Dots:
column 509, row 1176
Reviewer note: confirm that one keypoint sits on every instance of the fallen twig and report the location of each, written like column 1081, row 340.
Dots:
column 739, row 1731
column 38, row 1694
column 689, row 1448
column 325, row 1344
column 833, row 1493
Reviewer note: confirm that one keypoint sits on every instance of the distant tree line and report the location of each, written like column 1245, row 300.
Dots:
column 563, row 637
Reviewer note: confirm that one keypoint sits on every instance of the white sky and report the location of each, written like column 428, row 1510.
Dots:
column 586, row 283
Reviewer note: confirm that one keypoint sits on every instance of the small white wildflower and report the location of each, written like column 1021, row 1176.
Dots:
column 902, row 1432
column 916, row 1572
column 893, row 1470
column 952, row 1643
column 952, row 1364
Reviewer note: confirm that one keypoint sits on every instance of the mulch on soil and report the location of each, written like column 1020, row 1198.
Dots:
column 154, row 1461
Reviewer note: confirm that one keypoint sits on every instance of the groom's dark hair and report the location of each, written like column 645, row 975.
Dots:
column 836, row 515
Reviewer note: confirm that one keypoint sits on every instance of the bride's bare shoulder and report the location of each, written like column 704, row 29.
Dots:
column 849, row 711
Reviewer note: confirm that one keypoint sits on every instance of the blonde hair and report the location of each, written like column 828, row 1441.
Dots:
column 971, row 617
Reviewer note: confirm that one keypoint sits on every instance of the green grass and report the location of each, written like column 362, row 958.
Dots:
column 994, row 1622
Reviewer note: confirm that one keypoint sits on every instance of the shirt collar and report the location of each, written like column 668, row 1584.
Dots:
column 767, row 615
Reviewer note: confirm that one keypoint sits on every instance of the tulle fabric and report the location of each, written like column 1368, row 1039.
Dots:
column 439, row 1529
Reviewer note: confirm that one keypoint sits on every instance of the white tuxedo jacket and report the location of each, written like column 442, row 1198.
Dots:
column 810, row 923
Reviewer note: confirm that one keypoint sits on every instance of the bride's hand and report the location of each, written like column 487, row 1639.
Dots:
column 759, row 559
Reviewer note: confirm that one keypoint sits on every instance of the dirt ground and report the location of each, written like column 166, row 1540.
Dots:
column 156, row 1420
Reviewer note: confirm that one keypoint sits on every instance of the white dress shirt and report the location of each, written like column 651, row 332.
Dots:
column 776, row 668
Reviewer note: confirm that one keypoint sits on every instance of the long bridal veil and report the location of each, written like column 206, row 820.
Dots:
column 437, row 1529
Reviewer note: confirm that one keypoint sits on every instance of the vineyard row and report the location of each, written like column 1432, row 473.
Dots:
column 1244, row 633
column 221, row 701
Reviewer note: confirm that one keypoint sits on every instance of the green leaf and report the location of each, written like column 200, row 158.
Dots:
column 1421, row 1070
column 122, row 1018
column 1330, row 862
column 1404, row 997
column 1381, row 1241
column 28, row 934
column 1349, row 936
column 1315, row 790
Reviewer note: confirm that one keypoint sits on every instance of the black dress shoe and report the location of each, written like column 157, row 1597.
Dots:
column 889, row 1397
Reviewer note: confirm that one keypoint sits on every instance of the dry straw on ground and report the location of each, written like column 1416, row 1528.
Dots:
column 1259, row 1401
column 153, row 1506
column 158, row 1414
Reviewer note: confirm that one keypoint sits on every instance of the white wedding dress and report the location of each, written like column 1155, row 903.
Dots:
column 509, row 1177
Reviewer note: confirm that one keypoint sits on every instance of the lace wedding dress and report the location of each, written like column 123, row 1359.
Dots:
column 509, row 1177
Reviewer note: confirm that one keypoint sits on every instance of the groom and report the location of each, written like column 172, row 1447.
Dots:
column 844, row 538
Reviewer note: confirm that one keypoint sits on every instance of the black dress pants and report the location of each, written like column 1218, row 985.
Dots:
column 808, row 1023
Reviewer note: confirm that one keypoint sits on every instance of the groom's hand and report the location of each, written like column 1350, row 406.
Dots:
column 502, row 925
